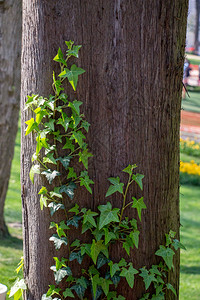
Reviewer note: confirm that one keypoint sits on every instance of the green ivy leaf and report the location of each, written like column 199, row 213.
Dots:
column 59, row 58
column 68, row 189
column 101, row 260
column 116, row 186
column 35, row 169
column 75, row 243
column 75, row 106
column 61, row 273
column 113, row 268
column 88, row 217
column 75, row 209
column 77, row 256
column 109, row 235
column 86, row 181
column 43, row 201
column 138, row 179
column 68, row 293
column 74, row 221
column 58, row 241
column 84, row 156
column 56, row 193
column 17, row 288
column 148, row 278
column 71, row 173
column 96, row 248
column 49, row 158
column 107, row 215
column 129, row 274
column 64, row 122
column 85, row 125
column 78, row 136
column 170, row 287
column 50, row 124
column 72, row 75
column 134, row 235
column 139, row 205
column 176, row 244
column 167, row 254
column 50, row 175
column 74, row 50
column 79, row 289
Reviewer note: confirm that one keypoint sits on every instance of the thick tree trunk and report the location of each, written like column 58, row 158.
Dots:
column 196, row 35
column 133, row 53
column 10, row 49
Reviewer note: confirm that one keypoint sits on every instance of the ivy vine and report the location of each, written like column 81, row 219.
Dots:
column 57, row 122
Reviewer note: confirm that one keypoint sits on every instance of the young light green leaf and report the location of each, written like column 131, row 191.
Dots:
column 35, row 169
column 167, row 254
column 129, row 274
column 43, row 201
column 129, row 169
column 31, row 126
column 72, row 75
column 116, row 186
column 139, row 205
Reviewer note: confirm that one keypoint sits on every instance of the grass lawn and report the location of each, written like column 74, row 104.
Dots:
column 192, row 103
column 11, row 248
column 190, row 237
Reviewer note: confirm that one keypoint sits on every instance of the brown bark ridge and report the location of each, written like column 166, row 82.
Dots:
column 10, row 50
column 133, row 54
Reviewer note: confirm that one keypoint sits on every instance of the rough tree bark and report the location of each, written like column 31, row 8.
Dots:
column 10, row 49
column 133, row 53
column 196, row 34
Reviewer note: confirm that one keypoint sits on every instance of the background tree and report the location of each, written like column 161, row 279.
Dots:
column 133, row 55
column 10, row 61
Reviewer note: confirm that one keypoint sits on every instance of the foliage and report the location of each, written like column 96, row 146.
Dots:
column 58, row 121
column 189, row 173
column 190, row 147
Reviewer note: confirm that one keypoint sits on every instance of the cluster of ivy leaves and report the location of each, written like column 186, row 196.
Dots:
column 58, row 122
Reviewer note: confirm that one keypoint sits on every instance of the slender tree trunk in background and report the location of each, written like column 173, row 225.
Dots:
column 196, row 38
column 10, row 62
column 133, row 54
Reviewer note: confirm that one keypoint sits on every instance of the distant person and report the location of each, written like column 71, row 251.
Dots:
column 186, row 74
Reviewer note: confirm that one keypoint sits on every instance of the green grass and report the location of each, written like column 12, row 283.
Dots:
column 190, row 237
column 187, row 158
column 192, row 103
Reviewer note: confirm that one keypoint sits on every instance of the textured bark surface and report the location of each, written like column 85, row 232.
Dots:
column 133, row 54
column 10, row 50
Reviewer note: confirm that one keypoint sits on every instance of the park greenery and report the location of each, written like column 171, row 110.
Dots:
column 101, row 234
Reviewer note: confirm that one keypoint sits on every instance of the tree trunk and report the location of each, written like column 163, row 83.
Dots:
column 196, row 35
column 133, row 55
column 10, row 48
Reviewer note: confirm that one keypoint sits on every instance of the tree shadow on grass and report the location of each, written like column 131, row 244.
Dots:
column 12, row 242
column 190, row 270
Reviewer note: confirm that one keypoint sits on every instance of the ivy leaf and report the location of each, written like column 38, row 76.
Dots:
column 88, row 217
column 105, row 285
column 176, row 244
column 101, row 260
column 113, row 268
column 17, row 288
column 68, row 293
column 50, row 124
column 65, row 161
column 75, row 106
column 86, row 181
column 79, row 289
column 45, row 297
column 43, row 201
column 74, row 221
column 71, row 173
column 35, row 169
column 55, row 207
column 107, row 215
column 69, row 145
column 170, row 287
column 64, row 122
column 167, row 254
column 56, row 193
column 49, row 158
column 75, row 209
column 50, row 175
column 129, row 169
column 31, row 126
column 129, row 274
column 78, row 136
column 138, row 179
column 40, row 113
column 109, row 236
column 85, row 125
column 77, row 256
column 83, row 157
column 72, row 75
column 59, row 57
column 68, row 189
column 58, row 242
column 116, row 186
column 96, row 248
column 74, row 50
column 61, row 273
column 139, row 205
column 145, row 296
column 75, row 243
column 128, row 244
column 134, row 235
column 147, row 278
